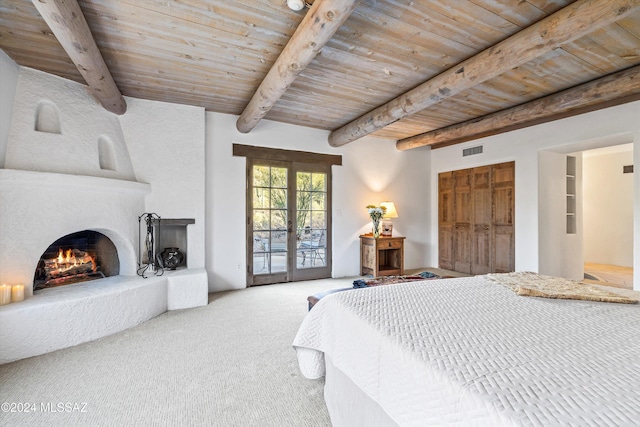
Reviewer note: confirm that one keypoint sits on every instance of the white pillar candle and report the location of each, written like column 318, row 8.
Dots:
column 5, row 294
column 17, row 293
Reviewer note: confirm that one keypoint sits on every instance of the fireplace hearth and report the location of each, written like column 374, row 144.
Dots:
column 77, row 257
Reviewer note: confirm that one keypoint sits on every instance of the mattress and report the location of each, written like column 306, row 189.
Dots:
column 468, row 351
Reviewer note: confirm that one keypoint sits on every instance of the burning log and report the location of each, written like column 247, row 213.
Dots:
column 68, row 263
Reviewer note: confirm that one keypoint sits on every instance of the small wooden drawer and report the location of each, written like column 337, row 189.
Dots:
column 394, row 244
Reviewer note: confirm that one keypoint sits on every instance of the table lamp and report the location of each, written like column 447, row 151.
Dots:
column 390, row 212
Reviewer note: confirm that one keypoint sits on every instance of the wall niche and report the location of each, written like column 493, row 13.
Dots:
column 47, row 118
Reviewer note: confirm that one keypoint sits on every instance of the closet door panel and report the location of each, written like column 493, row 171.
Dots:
column 481, row 236
column 503, row 213
column 463, row 209
column 445, row 221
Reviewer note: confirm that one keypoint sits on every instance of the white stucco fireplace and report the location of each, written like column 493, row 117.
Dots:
column 68, row 170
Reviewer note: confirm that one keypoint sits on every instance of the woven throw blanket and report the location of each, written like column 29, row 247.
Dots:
column 389, row 280
column 537, row 285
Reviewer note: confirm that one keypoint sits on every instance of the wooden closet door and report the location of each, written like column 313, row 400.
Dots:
column 445, row 220
column 482, row 223
column 503, row 201
column 462, row 220
column 476, row 210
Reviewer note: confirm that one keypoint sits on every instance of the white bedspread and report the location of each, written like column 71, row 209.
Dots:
column 468, row 351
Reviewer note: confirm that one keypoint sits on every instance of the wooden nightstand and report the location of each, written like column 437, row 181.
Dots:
column 383, row 256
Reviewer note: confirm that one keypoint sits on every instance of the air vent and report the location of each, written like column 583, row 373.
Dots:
column 471, row 151
column 627, row 169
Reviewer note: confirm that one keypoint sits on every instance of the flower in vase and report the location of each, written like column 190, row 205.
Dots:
column 376, row 213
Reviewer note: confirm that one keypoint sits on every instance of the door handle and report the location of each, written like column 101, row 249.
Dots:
column 289, row 226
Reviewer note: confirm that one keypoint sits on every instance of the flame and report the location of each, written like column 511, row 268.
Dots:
column 67, row 258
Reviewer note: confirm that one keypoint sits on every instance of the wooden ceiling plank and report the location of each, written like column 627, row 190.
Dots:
column 566, row 25
column 624, row 84
column 233, row 17
column 550, row 6
column 318, row 26
column 619, row 42
column 632, row 25
column 421, row 15
column 173, row 34
column 521, row 14
column 595, row 54
column 426, row 53
column 67, row 22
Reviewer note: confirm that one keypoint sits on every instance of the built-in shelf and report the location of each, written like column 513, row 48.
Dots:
column 172, row 233
column 571, row 195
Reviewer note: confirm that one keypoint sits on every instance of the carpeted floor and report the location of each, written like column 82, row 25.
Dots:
column 229, row 363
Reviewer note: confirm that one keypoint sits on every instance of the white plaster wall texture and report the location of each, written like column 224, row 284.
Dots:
column 83, row 121
column 166, row 143
column 372, row 171
column 9, row 71
column 611, row 126
column 608, row 209
column 551, row 213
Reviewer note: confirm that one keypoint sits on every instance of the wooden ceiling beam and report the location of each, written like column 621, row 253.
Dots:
column 68, row 24
column 316, row 29
column 614, row 89
column 568, row 24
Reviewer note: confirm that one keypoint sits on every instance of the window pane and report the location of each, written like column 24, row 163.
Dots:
column 303, row 182
column 304, row 220
column 279, row 241
column 318, row 202
column 279, row 219
column 278, row 262
column 319, row 181
column 303, row 201
column 261, row 176
column 260, row 219
column 279, row 198
column 260, row 241
column 278, row 177
column 261, row 198
column 318, row 220
column 260, row 263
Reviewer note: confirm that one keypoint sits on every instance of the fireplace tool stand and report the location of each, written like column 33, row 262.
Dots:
column 150, row 266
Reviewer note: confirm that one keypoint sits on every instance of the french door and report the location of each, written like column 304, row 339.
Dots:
column 288, row 221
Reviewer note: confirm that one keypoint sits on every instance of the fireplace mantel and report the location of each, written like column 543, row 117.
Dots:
column 12, row 178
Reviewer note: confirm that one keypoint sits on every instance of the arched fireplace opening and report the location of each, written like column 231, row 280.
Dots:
column 77, row 257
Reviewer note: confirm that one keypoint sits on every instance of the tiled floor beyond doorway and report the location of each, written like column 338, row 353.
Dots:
column 609, row 275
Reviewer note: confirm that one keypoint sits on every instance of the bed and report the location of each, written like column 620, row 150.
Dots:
column 468, row 351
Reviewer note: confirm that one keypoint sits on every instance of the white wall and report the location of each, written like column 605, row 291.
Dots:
column 611, row 126
column 166, row 144
column 608, row 208
column 560, row 253
column 8, row 81
column 372, row 171
column 83, row 122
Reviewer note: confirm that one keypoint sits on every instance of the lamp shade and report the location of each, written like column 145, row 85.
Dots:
column 391, row 211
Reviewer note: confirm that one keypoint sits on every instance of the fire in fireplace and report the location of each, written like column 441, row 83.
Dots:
column 77, row 257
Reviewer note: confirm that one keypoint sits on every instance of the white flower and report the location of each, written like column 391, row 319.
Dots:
column 376, row 212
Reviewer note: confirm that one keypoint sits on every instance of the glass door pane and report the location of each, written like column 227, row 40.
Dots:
column 312, row 256
column 269, row 216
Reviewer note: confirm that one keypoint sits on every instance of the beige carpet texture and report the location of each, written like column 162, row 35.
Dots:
column 229, row 363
